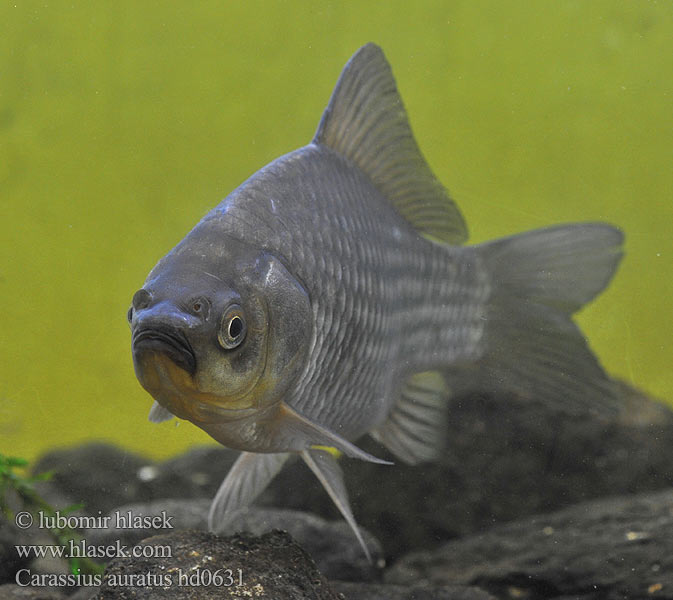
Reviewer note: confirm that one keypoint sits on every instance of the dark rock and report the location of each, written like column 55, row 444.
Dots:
column 609, row 549
column 49, row 565
column 98, row 475
column 506, row 457
column 331, row 544
column 85, row 593
column 12, row 591
column 195, row 474
column 272, row 567
column 102, row 476
column 10, row 561
column 373, row 591
column 183, row 514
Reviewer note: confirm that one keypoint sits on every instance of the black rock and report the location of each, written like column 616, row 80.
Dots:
column 373, row 591
column 182, row 514
column 10, row 561
column 506, row 457
column 206, row 566
column 605, row 549
column 195, row 474
column 84, row 593
column 102, row 476
column 11, row 591
column 98, row 475
column 331, row 544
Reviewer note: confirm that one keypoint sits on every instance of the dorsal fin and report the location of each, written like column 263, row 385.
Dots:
column 365, row 121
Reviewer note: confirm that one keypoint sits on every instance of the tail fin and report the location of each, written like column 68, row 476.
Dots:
column 539, row 279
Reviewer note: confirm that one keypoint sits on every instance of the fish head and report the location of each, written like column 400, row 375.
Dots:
column 220, row 330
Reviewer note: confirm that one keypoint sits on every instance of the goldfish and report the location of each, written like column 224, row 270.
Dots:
column 332, row 295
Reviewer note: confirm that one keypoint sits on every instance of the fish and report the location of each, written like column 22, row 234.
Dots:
column 332, row 295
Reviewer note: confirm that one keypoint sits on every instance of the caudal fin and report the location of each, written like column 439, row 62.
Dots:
column 531, row 344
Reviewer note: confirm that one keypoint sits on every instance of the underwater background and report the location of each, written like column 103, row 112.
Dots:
column 122, row 124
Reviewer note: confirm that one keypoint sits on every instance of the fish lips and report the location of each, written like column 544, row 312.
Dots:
column 170, row 342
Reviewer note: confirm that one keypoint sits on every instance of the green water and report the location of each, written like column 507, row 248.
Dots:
column 122, row 123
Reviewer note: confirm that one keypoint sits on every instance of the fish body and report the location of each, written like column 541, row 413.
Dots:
column 384, row 302
column 330, row 296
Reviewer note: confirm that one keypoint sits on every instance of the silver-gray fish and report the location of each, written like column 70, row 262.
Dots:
column 329, row 297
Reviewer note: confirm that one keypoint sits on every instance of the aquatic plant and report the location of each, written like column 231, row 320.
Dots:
column 21, row 486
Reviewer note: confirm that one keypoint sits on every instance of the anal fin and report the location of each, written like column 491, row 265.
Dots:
column 414, row 430
column 246, row 479
column 328, row 472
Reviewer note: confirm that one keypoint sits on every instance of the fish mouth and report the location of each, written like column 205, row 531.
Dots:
column 208, row 413
column 172, row 343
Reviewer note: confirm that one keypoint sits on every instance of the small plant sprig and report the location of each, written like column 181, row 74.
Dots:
column 23, row 486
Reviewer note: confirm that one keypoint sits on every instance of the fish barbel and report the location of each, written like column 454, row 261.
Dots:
column 330, row 296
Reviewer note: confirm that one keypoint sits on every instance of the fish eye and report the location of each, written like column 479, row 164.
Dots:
column 232, row 328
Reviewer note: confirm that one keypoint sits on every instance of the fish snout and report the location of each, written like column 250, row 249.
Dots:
column 151, row 334
column 185, row 315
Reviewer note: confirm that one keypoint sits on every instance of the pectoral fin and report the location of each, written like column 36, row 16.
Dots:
column 159, row 414
column 248, row 477
column 303, row 432
column 328, row 472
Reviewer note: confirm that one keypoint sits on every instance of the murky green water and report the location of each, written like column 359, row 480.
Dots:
column 122, row 123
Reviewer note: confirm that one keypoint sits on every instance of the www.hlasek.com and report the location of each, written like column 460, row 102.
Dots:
column 82, row 549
